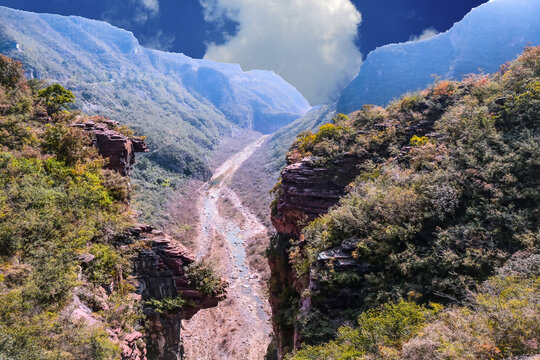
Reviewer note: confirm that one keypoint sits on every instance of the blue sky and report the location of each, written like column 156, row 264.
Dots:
column 311, row 43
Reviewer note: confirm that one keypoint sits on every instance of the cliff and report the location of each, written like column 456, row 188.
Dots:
column 116, row 147
column 160, row 269
column 378, row 205
column 308, row 190
column 312, row 184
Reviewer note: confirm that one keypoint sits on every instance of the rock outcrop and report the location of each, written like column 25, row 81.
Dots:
column 308, row 190
column 160, row 270
column 118, row 148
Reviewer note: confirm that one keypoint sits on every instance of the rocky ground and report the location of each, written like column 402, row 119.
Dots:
column 241, row 325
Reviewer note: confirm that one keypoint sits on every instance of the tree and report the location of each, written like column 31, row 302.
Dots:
column 56, row 97
column 11, row 73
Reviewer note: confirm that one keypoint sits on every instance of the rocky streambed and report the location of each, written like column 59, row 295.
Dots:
column 240, row 327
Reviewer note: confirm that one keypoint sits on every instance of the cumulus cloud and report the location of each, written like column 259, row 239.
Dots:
column 310, row 43
column 426, row 34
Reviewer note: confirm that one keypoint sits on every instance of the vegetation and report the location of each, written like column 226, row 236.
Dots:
column 185, row 107
column 501, row 321
column 447, row 192
column 56, row 97
column 168, row 304
column 58, row 207
column 203, row 278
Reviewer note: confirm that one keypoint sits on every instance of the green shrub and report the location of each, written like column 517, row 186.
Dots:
column 288, row 308
column 380, row 330
column 168, row 304
column 203, row 278
column 14, row 134
column 107, row 264
column 314, row 327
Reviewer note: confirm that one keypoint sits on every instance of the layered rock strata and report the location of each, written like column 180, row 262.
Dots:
column 118, row 148
column 161, row 272
column 307, row 191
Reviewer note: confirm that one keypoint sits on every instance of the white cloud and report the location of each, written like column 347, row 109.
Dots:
column 151, row 5
column 310, row 43
column 157, row 40
column 426, row 34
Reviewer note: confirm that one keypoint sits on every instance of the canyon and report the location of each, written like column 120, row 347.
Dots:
column 244, row 329
column 349, row 187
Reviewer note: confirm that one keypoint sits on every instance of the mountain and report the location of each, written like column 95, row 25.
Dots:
column 487, row 37
column 184, row 106
column 78, row 278
column 186, row 103
column 90, row 54
column 412, row 231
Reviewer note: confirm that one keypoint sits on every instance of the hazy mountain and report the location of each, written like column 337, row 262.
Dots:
column 183, row 105
column 487, row 37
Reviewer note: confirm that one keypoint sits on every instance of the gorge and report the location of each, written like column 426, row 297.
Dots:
column 187, row 209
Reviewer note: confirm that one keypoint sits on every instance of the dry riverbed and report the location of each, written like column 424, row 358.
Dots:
column 239, row 328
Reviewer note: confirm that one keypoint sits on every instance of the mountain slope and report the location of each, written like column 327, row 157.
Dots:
column 78, row 279
column 422, row 200
column 487, row 37
column 184, row 106
column 186, row 103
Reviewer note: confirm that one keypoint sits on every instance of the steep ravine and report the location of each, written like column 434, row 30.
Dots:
column 240, row 325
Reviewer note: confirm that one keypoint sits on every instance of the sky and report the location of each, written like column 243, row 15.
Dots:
column 316, row 45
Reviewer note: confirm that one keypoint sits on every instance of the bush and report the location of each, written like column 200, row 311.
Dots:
column 107, row 264
column 168, row 304
column 203, row 278
column 380, row 330
column 11, row 74
column 14, row 134
column 502, row 323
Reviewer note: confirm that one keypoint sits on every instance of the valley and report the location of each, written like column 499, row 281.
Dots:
column 241, row 324
column 400, row 220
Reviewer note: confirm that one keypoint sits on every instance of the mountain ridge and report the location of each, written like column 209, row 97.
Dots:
column 184, row 106
column 488, row 36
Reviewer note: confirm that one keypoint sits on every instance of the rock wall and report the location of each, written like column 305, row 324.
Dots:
column 159, row 266
column 160, row 270
column 307, row 191
column 309, row 188
column 118, row 148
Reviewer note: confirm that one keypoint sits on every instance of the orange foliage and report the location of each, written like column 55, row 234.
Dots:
column 443, row 88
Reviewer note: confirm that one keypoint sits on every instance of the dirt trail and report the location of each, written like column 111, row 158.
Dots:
column 239, row 328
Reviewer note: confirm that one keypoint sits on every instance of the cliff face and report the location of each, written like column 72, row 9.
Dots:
column 421, row 167
column 307, row 191
column 159, row 267
column 160, row 270
column 309, row 187
column 118, row 148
